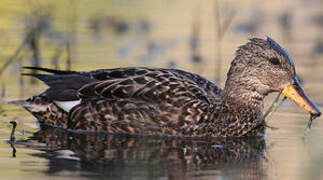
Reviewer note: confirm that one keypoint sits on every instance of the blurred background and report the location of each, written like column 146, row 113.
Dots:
column 196, row 36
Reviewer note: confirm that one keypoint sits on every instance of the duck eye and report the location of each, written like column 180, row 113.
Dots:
column 274, row 61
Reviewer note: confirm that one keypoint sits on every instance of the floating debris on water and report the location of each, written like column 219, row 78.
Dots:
column 309, row 124
column 23, row 132
column 12, row 135
column 12, row 139
column 220, row 146
column 274, row 106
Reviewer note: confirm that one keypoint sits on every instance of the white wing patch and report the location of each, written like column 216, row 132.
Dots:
column 67, row 105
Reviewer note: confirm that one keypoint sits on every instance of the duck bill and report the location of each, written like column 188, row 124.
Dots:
column 296, row 93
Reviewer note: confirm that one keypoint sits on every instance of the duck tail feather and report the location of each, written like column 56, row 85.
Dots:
column 54, row 71
column 22, row 103
column 46, row 78
column 17, row 102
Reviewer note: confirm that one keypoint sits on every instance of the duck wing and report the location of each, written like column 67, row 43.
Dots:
column 131, row 100
column 152, row 85
column 131, row 80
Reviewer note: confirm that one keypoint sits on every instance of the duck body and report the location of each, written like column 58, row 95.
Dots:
column 156, row 101
column 134, row 100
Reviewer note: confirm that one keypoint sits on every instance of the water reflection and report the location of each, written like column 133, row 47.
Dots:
column 120, row 157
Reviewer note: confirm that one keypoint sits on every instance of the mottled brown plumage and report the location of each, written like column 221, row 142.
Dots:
column 156, row 101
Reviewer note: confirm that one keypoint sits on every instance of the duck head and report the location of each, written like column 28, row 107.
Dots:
column 261, row 67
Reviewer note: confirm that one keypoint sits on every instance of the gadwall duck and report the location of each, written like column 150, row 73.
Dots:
column 170, row 102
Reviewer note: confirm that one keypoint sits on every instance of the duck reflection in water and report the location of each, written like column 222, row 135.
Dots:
column 126, row 157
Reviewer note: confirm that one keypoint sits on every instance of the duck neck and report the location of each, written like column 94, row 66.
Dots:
column 242, row 97
column 240, row 111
